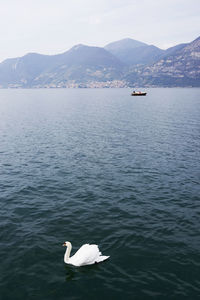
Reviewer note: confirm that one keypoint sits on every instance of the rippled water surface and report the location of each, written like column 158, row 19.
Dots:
column 99, row 166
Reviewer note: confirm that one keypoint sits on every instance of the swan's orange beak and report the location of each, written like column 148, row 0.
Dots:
column 64, row 244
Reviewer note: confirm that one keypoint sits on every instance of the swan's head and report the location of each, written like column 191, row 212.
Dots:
column 67, row 244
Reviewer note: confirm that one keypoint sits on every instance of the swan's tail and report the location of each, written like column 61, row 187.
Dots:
column 101, row 258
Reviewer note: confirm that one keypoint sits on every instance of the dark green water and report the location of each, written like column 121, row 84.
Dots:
column 100, row 166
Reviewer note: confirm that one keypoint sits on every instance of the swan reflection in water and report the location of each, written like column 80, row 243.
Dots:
column 74, row 274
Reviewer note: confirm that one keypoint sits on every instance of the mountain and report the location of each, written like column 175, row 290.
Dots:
column 178, row 67
column 80, row 65
column 133, row 52
column 140, row 55
column 173, row 49
column 24, row 69
column 120, row 64
column 121, row 45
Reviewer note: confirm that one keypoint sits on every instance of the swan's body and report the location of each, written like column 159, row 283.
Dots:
column 86, row 255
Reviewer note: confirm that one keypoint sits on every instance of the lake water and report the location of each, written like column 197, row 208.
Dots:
column 99, row 166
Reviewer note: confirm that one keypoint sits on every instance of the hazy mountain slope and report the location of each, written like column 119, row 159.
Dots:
column 174, row 49
column 133, row 52
column 140, row 55
column 180, row 68
column 81, row 63
column 24, row 69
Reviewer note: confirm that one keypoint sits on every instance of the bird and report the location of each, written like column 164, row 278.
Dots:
column 86, row 255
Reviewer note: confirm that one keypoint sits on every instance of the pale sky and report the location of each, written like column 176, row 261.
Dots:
column 54, row 26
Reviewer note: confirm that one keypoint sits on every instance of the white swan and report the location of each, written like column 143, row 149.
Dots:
column 86, row 255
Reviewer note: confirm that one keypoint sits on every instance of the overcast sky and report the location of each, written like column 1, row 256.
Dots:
column 54, row 26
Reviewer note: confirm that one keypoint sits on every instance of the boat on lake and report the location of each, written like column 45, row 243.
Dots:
column 134, row 93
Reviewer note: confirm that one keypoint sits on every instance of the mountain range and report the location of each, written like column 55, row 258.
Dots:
column 124, row 63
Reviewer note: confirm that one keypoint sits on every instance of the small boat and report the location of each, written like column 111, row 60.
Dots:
column 138, row 93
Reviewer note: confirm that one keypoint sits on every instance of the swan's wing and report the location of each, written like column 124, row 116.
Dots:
column 86, row 255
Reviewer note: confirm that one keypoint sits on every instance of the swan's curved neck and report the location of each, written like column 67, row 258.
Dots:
column 68, row 251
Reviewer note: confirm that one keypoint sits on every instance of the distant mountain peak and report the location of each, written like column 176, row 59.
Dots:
column 124, row 44
column 132, row 52
column 78, row 46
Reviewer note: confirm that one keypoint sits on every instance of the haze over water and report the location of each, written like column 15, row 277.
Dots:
column 99, row 166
